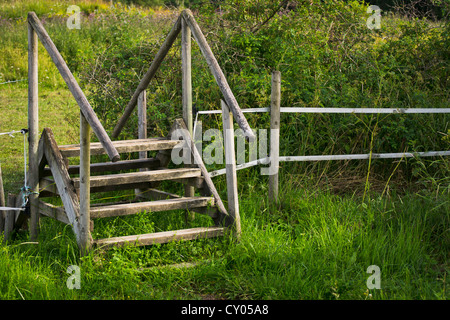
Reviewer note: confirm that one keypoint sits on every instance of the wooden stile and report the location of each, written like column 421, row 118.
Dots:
column 74, row 192
column 186, row 80
column 2, row 202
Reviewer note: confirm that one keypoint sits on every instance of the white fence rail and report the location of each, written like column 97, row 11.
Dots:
column 275, row 100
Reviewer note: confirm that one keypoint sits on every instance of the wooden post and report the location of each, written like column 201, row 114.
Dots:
column 189, row 191
column 85, row 172
column 2, row 202
column 142, row 120
column 10, row 217
column 230, row 163
column 33, row 132
column 274, row 136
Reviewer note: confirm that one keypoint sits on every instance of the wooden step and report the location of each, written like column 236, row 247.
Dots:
column 162, row 237
column 140, row 177
column 150, row 206
column 122, row 146
column 148, row 163
column 127, row 181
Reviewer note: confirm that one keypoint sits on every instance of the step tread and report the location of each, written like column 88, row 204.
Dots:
column 122, row 146
column 162, row 237
column 142, row 176
column 115, row 210
column 111, row 166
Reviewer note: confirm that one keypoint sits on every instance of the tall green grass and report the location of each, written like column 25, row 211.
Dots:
column 315, row 246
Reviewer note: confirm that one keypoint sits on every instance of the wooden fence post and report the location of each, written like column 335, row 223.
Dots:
column 33, row 132
column 274, row 136
column 2, row 202
column 85, row 173
column 230, row 165
column 189, row 191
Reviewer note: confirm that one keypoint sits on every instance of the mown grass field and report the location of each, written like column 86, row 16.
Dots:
column 317, row 243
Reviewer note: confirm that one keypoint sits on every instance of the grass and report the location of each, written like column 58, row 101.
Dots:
column 314, row 245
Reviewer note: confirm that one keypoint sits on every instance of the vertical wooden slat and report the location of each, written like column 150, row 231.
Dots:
column 85, row 172
column 142, row 129
column 230, row 163
column 189, row 191
column 274, row 136
column 33, row 133
column 142, row 120
column 2, row 202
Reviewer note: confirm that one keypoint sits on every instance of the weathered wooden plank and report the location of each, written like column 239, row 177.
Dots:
column 85, row 239
column 63, row 182
column 142, row 120
column 230, row 165
column 151, row 206
column 71, row 82
column 186, row 81
column 150, row 163
column 170, row 39
column 218, row 74
column 162, row 237
column 54, row 212
column 122, row 146
column 33, row 129
column 274, row 136
column 2, row 202
column 138, row 177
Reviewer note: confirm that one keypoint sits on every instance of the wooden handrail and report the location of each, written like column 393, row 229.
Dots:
column 78, row 94
column 170, row 39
